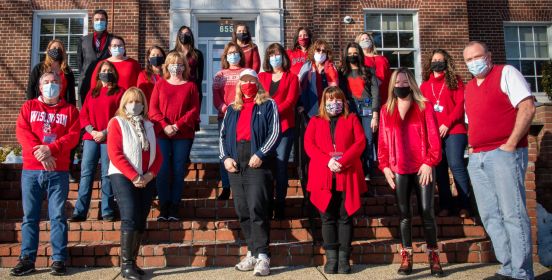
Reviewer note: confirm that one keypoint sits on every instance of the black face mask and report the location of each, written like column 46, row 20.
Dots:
column 352, row 59
column 185, row 38
column 401, row 92
column 55, row 54
column 156, row 60
column 438, row 66
column 107, row 77
column 244, row 37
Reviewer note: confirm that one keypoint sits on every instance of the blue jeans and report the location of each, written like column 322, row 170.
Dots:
column 33, row 185
column 498, row 179
column 175, row 155
column 223, row 172
column 91, row 153
column 368, row 155
column 454, row 146
column 282, row 160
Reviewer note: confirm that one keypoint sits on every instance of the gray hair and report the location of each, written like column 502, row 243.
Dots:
column 483, row 45
column 56, row 76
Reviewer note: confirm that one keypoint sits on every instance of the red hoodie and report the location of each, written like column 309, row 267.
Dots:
column 297, row 58
column 56, row 126
column 128, row 71
column 224, row 89
column 252, row 58
column 285, row 97
column 97, row 111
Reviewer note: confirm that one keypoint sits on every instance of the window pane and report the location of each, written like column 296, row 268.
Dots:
column 405, row 22
column 73, row 43
column 47, row 26
column 392, row 58
column 510, row 33
column 539, row 84
column 377, row 39
column 64, row 39
column 407, row 59
column 514, row 63
column 373, row 22
column 531, row 82
column 390, row 40
column 525, row 33
column 528, row 67
column 512, row 50
column 44, row 40
column 62, row 26
column 542, row 50
column 540, row 33
column 389, row 22
column 406, row 40
column 539, row 64
column 77, row 26
column 72, row 60
column 527, row 49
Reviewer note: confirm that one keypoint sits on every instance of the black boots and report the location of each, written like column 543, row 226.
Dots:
column 137, row 242
column 128, row 255
column 163, row 212
column 331, row 262
column 344, row 267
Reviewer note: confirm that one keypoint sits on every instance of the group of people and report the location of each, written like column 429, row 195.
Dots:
column 344, row 121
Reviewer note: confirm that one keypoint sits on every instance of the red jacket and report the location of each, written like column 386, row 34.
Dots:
column 64, row 131
column 128, row 71
column 404, row 145
column 147, row 85
column 297, row 58
column 383, row 73
column 349, row 139
column 97, row 111
column 175, row 104
column 286, row 96
column 252, row 58
column 224, row 89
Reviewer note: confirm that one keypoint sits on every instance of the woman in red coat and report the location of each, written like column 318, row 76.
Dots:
column 283, row 87
column 409, row 148
column 334, row 141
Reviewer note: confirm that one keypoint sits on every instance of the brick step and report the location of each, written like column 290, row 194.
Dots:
column 229, row 230
column 201, row 254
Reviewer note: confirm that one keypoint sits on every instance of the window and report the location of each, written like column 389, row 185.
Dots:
column 67, row 27
column 396, row 37
column 528, row 47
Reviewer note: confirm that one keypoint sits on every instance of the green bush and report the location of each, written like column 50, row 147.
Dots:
column 547, row 79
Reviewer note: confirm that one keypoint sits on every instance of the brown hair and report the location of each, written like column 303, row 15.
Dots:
column 260, row 98
column 47, row 65
column 113, row 86
column 173, row 58
column 451, row 78
column 224, row 63
column 296, row 37
column 235, row 36
column 179, row 47
column 132, row 94
column 318, row 44
column 332, row 92
column 273, row 49
column 417, row 95
column 357, row 40
column 149, row 67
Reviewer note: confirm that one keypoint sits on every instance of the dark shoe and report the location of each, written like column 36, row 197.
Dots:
column 137, row 243
column 173, row 213
column 464, row 213
column 108, row 218
column 434, row 263
column 406, row 263
column 225, row 194
column 128, row 260
column 58, row 268
column 71, row 178
column 163, row 212
column 330, row 267
column 344, row 267
column 77, row 218
column 24, row 267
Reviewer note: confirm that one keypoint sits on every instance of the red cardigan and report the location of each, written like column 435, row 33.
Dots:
column 349, row 139
column 285, row 97
column 404, row 145
column 97, row 111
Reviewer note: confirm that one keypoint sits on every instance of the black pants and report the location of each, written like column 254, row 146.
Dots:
column 134, row 203
column 337, row 225
column 425, row 194
column 252, row 191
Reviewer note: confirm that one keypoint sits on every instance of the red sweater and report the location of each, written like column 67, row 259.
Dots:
column 64, row 131
column 252, row 58
column 243, row 129
column 297, row 58
column 349, row 139
column 224, row 89
column 97, row 111
column 285, row 97
column 490, row 113
column 118, row 158
column 128, row 71
column 404, row 145
column 452, row 101
column 383, row 73
column 147, row 85
column 175, row 104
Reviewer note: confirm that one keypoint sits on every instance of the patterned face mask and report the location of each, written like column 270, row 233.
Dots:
column 175, row 69
column 335, row 107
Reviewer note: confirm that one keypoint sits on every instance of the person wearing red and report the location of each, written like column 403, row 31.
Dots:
column 298, row 55
column 99, row 107
column 128, row 69
column 334, row 141
column 47, row 129
column 242, row 37
column 379, row 63
column 445, row 90
column 409, row 149
column 175, row 110
column 153, row 71
column 185, row 45
column 135, row 162
column 232, row 63
column 283, row 87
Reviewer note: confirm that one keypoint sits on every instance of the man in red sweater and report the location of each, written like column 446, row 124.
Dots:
column 47, row 129
column 500, row 108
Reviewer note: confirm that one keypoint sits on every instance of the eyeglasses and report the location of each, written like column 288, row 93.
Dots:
column 321, row 50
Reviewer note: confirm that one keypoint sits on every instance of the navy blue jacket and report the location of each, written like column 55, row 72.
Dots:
column 265, row 131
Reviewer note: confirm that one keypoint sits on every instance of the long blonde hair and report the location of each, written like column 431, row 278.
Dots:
column 132, row 94
column 261, row 97
column 173, row 58
column 357, row 40
column 417, row 95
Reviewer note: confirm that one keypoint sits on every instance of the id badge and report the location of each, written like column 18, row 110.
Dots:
column 366, row 111
column 49, row 138
column 336, row 155
column 438, row 108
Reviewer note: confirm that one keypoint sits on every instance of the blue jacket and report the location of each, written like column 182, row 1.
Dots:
column 265, row 131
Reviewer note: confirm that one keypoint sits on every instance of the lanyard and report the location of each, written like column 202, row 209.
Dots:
column 440, row 92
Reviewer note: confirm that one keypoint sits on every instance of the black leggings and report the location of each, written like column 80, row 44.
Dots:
column 134, row 203
column 425, row 195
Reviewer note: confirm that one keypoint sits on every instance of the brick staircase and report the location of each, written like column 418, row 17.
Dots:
column 209, row 234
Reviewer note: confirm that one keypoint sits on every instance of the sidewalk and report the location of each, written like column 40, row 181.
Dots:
column 453, row 271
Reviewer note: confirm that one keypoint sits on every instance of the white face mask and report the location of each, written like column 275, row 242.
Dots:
column 134, row 109
column 50, row 90
column 320, row 57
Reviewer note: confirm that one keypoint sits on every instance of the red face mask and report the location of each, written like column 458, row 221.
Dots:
column 303, row 42
column 249, row 90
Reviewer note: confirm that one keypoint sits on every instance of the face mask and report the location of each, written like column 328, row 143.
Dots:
column 401, row 92
column 175, row 69
column 244, row 37
column 134, row 108
column 365, row 44
column 106, row 77
column 50, row 90
column 352, row 59
column 478, row 67
column 249, row 89
column 303, row 42
column 233, row 58
column 276, row 61
column 99, row 26
column 156, row 60
column 438, row 66
column 185, row 38
column 319, row 57
column 55, row 54
column 117, row 51
column 334, row 108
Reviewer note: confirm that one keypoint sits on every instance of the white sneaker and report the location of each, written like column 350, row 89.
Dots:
column 262, row 268
column 247, row 264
